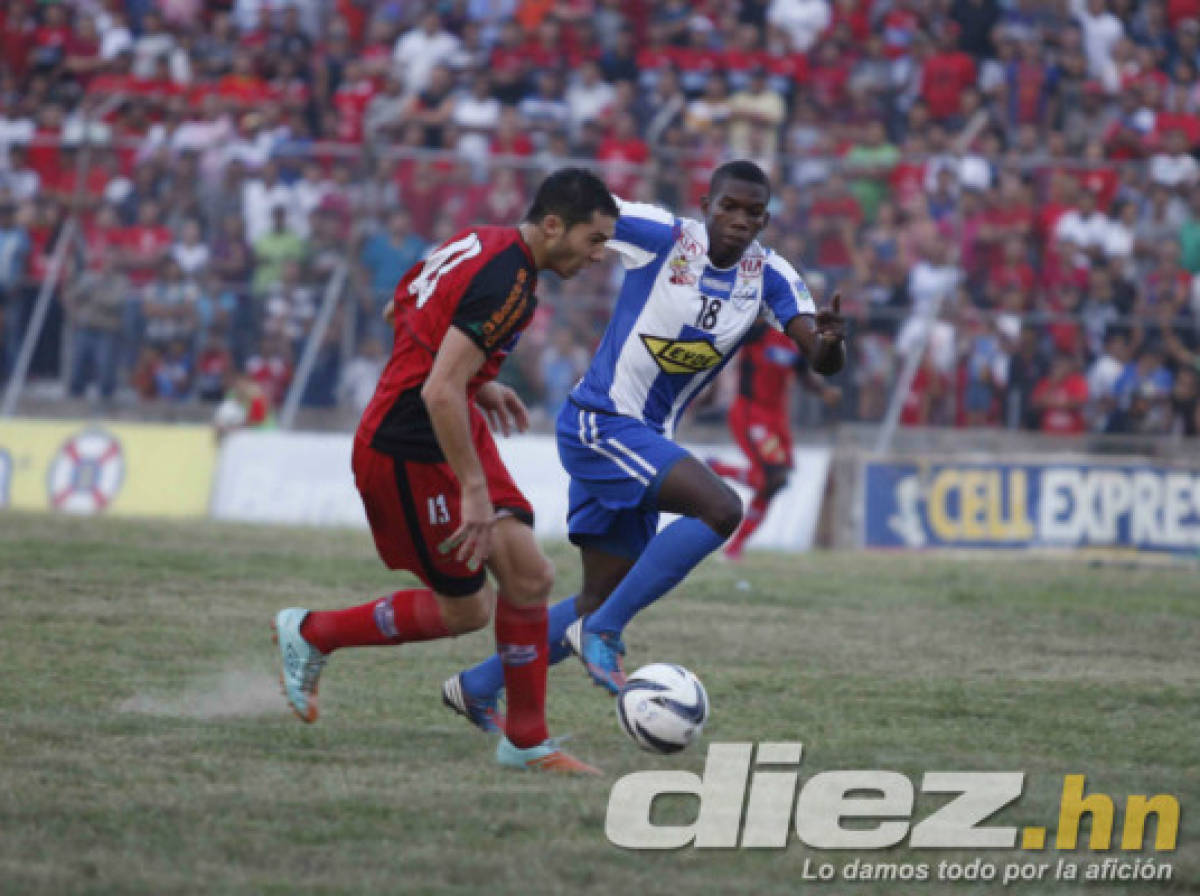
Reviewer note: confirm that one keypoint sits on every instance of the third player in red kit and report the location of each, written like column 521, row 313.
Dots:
column 438, row 498
column 758, row 420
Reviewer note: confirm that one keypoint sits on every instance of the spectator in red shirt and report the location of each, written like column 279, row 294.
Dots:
column 510, row 138
column 833, row 219
column 271, row 368
column 1098, row 177
column 146, row 245
column 243, row 87
column 350, row 100
column 1060, row 398
column 901, row 25
column 621, row 154
column 828, row 77
column 82, row 49
column 1011, row 272
column 927, row 398
column 421, row 194
column 546, row 49
column 945, row 75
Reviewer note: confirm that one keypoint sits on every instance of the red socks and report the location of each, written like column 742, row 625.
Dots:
column 521, row 643
column 415, row 616
column 396, row 619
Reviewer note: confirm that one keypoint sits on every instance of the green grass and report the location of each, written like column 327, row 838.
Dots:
column 144, row 747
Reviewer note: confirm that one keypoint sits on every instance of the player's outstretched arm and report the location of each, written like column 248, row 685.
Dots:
column 445, row 397
column 822, row 339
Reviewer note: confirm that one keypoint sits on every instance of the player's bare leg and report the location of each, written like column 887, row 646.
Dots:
column 602, row 654
column 602, row 573
column 525, row 578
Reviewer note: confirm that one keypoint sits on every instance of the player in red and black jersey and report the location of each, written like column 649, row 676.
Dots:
column 439, row 500
column 758, row 419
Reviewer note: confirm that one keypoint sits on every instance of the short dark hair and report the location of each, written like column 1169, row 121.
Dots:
column 573, row 194
column 740, row 169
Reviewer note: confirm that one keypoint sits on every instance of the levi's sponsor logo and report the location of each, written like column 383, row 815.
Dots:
column 682, row 355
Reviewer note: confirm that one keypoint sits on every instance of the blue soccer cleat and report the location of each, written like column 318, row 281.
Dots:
column 482, row 712
column 301, row 663
column 601, row 653
column 547, row 756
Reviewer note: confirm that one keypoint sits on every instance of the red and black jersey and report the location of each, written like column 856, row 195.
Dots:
column 481, row 281
column 768, row 360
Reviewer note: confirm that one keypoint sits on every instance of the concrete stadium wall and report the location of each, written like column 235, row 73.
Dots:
column 304, row 478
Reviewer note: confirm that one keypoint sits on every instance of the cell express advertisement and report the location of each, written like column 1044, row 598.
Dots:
column 1033, row 504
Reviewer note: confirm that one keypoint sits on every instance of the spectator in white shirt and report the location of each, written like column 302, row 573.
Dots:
column 545, row 110
column 361, row 374
column 190, row 252
column 801, row 20
column 14, row 128
column 1102, row 377
column 115, row 36
column 1119, row 240
column 252, row 143
column 154, row 43
column 1085, row 227
column 19, row 181
column 308, row 192
column 421, row 49
column 1101, row 32
column 260, row 196
column 588, row 97
column 476, row 115
column 1174, row 167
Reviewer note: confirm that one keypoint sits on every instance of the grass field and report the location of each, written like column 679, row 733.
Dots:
column 144, row 746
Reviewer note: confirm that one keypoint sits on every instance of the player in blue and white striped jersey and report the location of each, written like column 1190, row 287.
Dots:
column 691, row 293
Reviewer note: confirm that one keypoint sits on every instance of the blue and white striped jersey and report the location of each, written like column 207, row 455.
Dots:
column 678, row 319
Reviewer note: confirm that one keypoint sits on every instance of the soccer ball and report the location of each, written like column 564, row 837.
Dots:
column 663, row 707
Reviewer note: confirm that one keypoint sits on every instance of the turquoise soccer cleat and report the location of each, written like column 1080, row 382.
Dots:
column 547, row 756
column 301, row 663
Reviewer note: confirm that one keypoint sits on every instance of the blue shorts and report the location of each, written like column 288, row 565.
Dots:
column 616, row 465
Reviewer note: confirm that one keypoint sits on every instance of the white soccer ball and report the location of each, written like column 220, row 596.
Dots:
column 663, row 707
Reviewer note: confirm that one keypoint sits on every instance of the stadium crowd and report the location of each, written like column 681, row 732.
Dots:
column 1008, row 189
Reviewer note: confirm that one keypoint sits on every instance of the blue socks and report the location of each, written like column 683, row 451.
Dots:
column 487, row 678
column 670, row 555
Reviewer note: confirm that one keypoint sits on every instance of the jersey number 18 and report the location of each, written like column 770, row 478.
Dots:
column 709, row 309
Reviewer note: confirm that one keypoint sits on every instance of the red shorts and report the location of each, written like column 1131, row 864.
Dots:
column 763, row 435
column 413, row 507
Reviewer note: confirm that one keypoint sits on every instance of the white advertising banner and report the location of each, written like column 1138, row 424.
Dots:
column 305, row 479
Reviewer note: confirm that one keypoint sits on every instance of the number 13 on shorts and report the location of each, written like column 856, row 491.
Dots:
column 439, row 513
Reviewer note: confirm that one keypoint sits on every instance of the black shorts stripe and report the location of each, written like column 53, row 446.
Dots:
column 451, row 586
